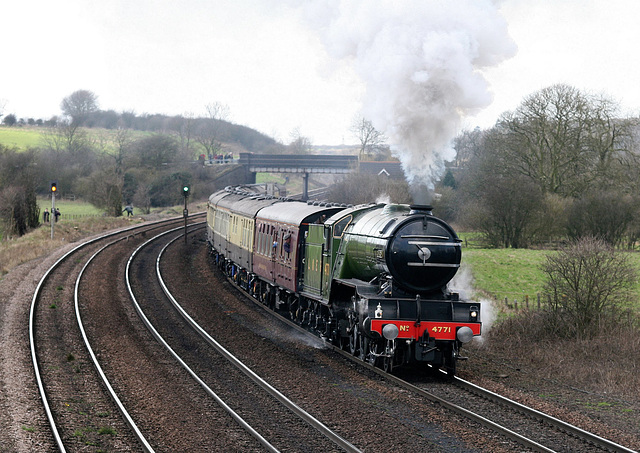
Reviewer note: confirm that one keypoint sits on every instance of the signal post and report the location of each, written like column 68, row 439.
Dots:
column 52, row 216
column 185, row 212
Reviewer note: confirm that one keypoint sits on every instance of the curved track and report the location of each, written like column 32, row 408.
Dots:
column 524, row 425
column 301, row 414
column 175, row 410
column 78, row 410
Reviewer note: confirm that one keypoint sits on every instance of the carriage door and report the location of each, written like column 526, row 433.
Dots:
column 274, row 252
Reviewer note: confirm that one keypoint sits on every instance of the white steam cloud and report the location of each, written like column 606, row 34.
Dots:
column 421, row 62
column 462, row 283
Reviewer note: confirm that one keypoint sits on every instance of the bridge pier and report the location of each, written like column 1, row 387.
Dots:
column 305, row 186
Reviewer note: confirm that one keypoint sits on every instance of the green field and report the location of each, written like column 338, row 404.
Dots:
column 20, row 137
column 31, row 136
column 511, row 273
column 515, row 273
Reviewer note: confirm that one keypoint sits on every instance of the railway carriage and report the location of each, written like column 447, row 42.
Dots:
column 371, row 278
column 231, row 230
column 281, row 233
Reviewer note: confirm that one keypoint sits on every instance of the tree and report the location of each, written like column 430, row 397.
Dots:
column 587, row 284
column 371, row 140
column 18, row 178
column 79, row 105
column 155, row 151
column 502, row 204
column 299, row 143
column 10, row 120
column 562, row 139
column 505, row 211
column 601, row 214
column 210, row 129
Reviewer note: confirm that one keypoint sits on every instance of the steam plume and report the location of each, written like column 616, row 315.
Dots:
column 421, row 64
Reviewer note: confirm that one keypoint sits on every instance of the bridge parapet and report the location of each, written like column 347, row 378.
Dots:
column 307, row 163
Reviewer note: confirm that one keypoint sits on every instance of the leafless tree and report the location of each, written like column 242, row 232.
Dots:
column 299, row 143
column 186, row 131
column 66, row 136
column 562, row 139
column 79, row 105
column 587, row 284
column 371, row 140
column 210, row 129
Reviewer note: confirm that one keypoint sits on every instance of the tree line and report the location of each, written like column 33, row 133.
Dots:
column 114, row 159
column 563, row 165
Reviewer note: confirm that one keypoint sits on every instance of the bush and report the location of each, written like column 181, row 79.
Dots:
column 587, row 285
column 605, row 215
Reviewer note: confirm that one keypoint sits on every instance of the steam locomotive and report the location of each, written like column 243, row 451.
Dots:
column 370, row 278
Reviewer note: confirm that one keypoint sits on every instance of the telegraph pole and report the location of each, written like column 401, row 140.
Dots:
column 52, row 216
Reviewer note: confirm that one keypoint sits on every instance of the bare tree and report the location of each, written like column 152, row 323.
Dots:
column 209, row 131
column 186, row 132
column 79, row 105
column 562, row 139
column 587, row 284
column 371, row 140
column 299, row 143
column 66, row 136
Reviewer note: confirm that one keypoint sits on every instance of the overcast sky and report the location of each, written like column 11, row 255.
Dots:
column 280, row 67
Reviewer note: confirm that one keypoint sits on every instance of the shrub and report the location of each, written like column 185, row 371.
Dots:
column 587, row 285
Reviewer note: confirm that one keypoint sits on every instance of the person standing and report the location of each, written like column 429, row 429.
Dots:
column 45, row 215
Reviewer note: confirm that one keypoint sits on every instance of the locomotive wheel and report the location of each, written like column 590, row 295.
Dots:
column 450, row 363
column 354, row 340
column 387, row 364
column 372, row 350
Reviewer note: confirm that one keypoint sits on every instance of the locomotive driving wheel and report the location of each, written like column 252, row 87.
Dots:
column 387, row 359
column 373, row 351
column 450, row 362
column 354, row 339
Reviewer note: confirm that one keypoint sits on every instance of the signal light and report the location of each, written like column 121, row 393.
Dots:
column 54, row 187
column 185, row 191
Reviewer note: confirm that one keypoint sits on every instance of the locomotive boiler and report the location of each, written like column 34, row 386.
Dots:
column 370, row 278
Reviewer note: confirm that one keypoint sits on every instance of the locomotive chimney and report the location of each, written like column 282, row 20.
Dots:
column 420, row 209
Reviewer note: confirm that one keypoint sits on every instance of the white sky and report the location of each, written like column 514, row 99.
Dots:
column 176, row 56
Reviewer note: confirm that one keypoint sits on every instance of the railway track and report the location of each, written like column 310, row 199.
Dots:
column 215, row 366
column 78, row 409
column 524, row 425
column 199, row 409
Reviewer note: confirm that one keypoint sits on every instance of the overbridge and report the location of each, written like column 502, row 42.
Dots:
column 289, row 163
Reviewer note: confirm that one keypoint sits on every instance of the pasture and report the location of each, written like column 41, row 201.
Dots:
column 20, row 137
column 515, row 274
